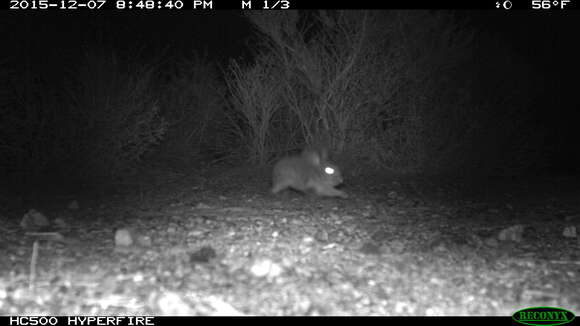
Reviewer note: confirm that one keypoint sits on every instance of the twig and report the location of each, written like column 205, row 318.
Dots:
column 566, row 262
column 33, row 259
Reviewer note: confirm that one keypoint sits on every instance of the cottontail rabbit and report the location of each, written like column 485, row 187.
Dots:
column 308, row 171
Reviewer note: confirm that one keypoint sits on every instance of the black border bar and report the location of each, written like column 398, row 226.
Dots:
column 209, row 5
column 255, row 321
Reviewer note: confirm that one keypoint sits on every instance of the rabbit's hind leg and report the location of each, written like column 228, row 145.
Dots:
column 277, row 187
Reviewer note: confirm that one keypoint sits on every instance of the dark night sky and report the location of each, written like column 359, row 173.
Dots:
column 548, row 39
column 550, row 44
column 222, row 33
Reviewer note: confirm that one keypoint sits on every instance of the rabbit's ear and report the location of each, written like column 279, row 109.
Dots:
column 324, row 154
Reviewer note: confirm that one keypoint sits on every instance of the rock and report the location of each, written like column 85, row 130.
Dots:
column 144, row 241
column 513, row 233
column 59, row 223
column 222, row 308
column 203, row 255
column 321, row 236
column 570, row 232
column 202, row 206
column 395, row 246
column 370, row 249
column 170, row 303
column 266, row 268
column 73, row 205
column 34, row 220
column 195, row 233
column 123, row 238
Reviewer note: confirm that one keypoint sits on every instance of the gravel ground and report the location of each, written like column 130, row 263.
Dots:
column 222, row 245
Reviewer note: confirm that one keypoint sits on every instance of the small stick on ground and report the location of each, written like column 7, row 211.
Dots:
column 33, row 259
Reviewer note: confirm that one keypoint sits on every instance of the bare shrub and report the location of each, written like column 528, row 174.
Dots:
column 320, row 71
column 358, row 81
column 255, row 99
column 397, row 90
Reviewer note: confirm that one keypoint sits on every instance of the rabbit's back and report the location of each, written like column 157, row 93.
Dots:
column 294, row 172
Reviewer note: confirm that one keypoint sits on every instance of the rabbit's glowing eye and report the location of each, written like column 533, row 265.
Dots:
column 329, row 170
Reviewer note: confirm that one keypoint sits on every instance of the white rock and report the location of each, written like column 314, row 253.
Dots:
column 171, row 304
column 123, row 238
column 266, row 268
column 570, row 232
column 222, row 308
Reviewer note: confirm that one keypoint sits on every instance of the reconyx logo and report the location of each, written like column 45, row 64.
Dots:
column 542, row 316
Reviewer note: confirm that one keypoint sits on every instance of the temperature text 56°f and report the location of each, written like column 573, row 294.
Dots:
column 550, row 4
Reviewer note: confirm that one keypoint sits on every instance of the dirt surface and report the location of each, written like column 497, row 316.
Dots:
column 222, row 245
